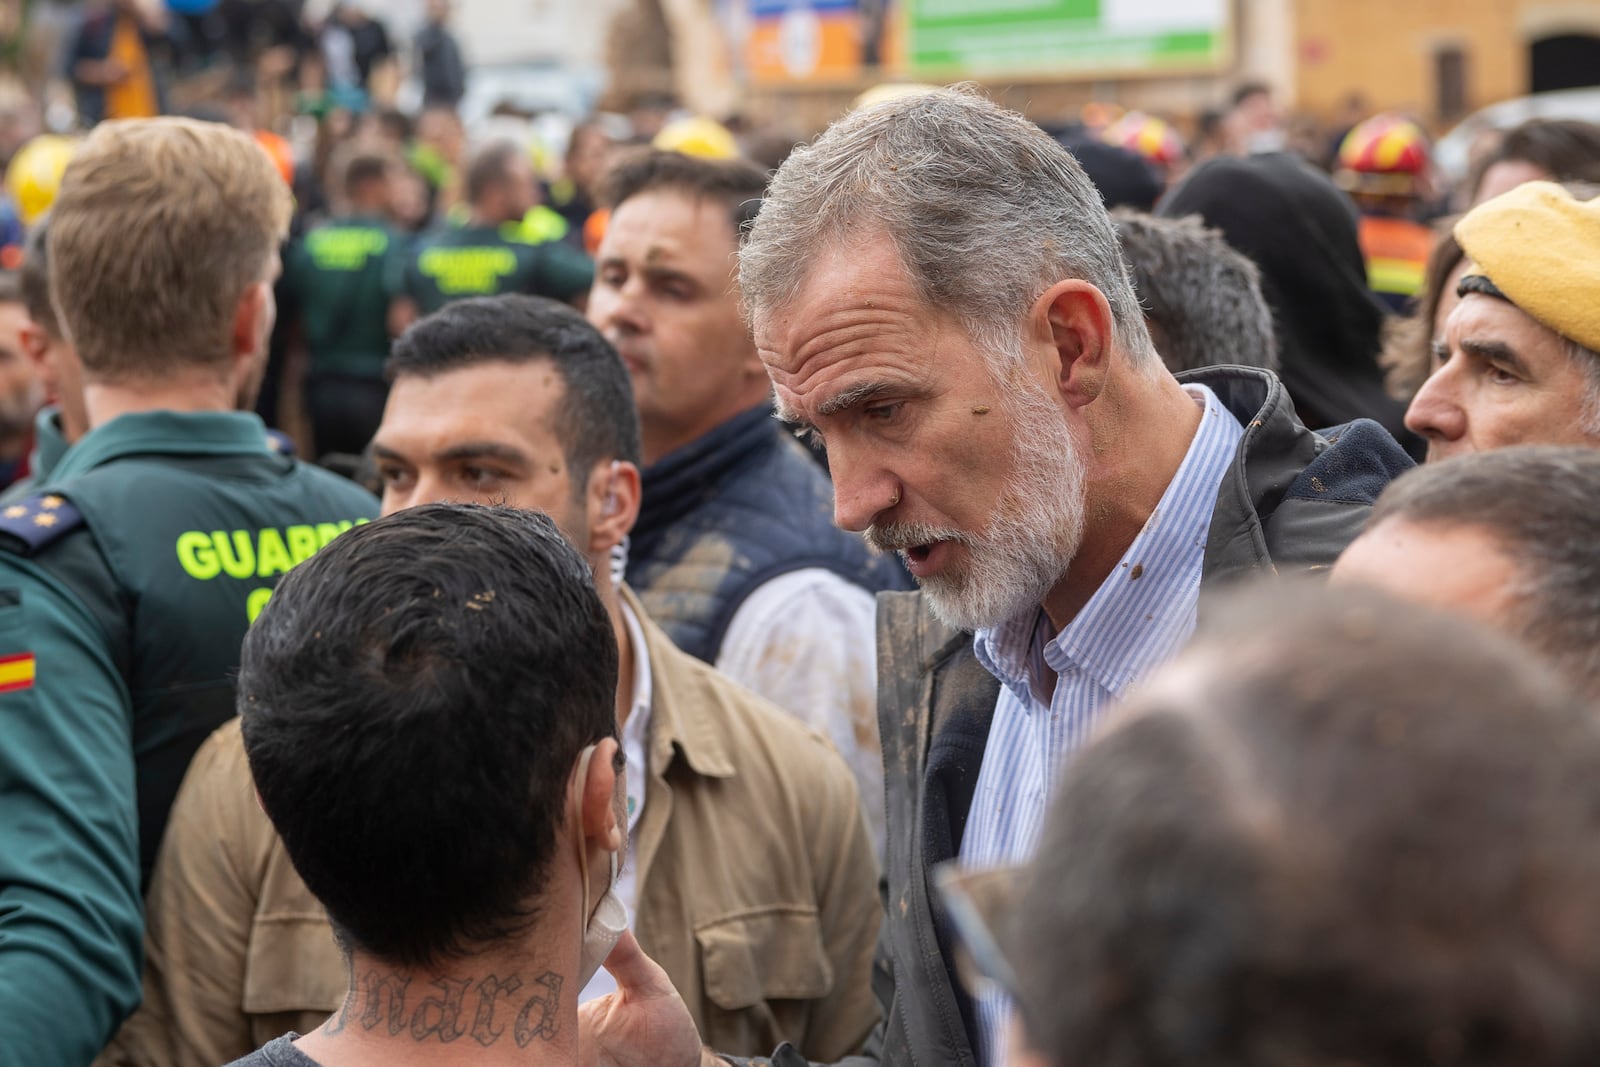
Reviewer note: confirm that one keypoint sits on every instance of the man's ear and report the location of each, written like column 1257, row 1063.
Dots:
column 613, row 504
column 252, row 323
column 1073, row 318
column 36, row 346
column 598, row 792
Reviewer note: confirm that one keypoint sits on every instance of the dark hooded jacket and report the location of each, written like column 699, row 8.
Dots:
column 1296, row 225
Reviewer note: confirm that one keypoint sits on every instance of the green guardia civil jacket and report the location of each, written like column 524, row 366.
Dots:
column 338, row 276
column 126, row 586
column 461, row 261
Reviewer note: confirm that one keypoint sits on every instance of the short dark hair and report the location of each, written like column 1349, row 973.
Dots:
column 1566, row 149
column 1541, row 503
column 1358, row 832
column 597, row 419
column 364, row 168
column 34, row 278
column 1248, row 89
column 10, row 287
column 413, row 699
column 734, row 183
column 490, row 167
column 1202, row 299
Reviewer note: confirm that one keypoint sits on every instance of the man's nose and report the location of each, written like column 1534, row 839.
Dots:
column 618, row 308
column 1436, row 412
column 860, row 493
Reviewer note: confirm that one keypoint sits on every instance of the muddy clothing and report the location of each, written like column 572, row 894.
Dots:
column 461, row 261
column 728, row 513
column 1291, row 499
column 756, row 890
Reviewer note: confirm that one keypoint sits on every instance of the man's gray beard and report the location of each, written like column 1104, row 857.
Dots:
column 1032, row 536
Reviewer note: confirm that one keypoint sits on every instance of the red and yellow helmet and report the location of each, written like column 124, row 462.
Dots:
column 1387, row 155
column 1147, row 135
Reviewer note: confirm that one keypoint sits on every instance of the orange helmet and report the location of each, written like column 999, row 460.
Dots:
column 1148, row 136
column 282, row 155
column 1386, row 155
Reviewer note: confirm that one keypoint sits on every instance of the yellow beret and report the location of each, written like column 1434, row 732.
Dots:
column 1541, row 248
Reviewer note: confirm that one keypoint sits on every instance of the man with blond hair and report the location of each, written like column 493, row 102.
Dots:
column 128, row 580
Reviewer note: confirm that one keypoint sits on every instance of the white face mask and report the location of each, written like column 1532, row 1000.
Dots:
column 609, row 920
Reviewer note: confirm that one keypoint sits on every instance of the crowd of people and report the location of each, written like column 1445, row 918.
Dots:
column 960, row 591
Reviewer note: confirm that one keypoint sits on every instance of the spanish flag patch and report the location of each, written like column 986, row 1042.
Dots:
column 16, row 672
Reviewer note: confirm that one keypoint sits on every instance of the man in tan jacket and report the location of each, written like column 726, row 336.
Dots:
column 750, row 876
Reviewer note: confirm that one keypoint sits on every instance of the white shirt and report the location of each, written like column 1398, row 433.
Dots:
column 1138, row 618
column 807, row 641
column 635, row 733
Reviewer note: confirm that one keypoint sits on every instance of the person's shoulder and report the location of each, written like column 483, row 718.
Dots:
column 32, row 523
column 279, row 1052
column 757, row 734
column 221, row 756
column 1359, row 461
column 347, row 492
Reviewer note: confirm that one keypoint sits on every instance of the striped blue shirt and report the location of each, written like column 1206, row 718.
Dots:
column 1138, row 618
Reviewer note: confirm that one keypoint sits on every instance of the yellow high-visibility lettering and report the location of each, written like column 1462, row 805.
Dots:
column 272, row 556
column 467, row 270
column 238, row 557
column 339, row 248
column 258, row 600
column 196, row 556
column 264, row 553
column 302, row 542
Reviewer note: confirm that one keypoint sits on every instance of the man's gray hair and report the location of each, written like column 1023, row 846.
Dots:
column 985, row 209
column 1201, row 298
column 1542, row 505
column 1588, row 361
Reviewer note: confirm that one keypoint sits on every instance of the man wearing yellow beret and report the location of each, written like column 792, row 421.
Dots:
column 1520, row 359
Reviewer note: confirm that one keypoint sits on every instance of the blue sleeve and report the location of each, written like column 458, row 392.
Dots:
column 70, row 917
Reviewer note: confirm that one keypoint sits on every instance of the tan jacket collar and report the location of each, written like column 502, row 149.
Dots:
column 679, row 705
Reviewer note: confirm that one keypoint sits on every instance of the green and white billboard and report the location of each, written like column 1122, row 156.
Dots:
column 947, row 38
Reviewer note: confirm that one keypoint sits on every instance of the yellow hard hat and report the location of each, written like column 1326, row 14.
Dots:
column 35, row 174
column 697, row 136
column 886, row 91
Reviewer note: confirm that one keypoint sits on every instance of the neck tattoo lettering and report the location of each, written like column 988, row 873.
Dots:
column 450, row 1008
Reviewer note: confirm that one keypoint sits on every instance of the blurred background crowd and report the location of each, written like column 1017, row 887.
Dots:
column 380, row 115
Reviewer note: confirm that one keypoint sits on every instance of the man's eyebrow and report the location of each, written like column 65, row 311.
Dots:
column 482, row 450
column 852, row 397
column 1438, row 350
column 842, row 401
column 783, row 413
column 384, row 452
column 1496, row 352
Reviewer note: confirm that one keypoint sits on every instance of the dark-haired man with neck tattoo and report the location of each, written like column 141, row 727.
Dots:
column 428, row 720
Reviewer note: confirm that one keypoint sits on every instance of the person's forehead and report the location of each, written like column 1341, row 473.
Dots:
column 666, row 224
column 13, row 315
column 1445, row 563
column 850, row 290
column 1480, row 317
column 492, row 400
